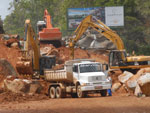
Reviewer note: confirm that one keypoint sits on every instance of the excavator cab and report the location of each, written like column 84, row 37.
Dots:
column 117, row 58
column 40, row 26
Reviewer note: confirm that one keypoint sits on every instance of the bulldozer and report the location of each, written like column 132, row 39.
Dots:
column 47, row 33
column 118, row 59
column 32, row 63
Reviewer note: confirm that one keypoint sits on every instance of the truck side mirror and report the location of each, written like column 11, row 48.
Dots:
column 73, row 68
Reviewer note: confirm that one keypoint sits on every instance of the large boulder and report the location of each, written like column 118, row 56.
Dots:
column 125, row 76
column 144, row 83
column 6, row 68
column 116, row 86
column 22, row 86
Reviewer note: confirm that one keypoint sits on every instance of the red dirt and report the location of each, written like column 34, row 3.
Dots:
column 6, row 97
column 62, row 55
column 10, row 54
column 114, row 104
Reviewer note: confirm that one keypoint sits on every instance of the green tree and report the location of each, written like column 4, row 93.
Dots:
column 1, row 26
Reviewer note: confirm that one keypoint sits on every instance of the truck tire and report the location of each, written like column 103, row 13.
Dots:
column 103, row 93
column 52, row 92
column 80, row 93
column 59, row 93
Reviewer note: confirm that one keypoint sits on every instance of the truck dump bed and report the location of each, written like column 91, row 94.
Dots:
column 58, row 75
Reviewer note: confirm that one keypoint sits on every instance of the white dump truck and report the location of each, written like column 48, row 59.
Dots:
column 78, row 78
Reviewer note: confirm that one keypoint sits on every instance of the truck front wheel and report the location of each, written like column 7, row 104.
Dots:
column 80, row 93
column 52, row 92
column 103, row 93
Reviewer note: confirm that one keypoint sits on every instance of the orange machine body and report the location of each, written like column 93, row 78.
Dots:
column 49, row 33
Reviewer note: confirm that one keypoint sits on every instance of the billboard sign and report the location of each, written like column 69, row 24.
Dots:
column 114, row 16
column 111, row 16
column 76, row 15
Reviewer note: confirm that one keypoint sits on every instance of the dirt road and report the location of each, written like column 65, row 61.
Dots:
column 114, row 104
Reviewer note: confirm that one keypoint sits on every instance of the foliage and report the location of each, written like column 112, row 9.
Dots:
column 1, row 26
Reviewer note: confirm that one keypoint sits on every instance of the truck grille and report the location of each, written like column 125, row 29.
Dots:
column 97, row 78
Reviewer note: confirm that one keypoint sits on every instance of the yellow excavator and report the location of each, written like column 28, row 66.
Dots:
column 118, row 59
column 31, row 62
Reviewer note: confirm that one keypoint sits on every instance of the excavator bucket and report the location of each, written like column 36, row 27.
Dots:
column 24, row 67
column 29, row 62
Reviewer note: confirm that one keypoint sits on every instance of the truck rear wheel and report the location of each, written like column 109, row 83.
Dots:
column 52, row 92
column 103, row 93
column 59, row 93
column 80, row 93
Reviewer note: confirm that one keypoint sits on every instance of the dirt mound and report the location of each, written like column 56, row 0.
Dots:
column 10, row 54
column 14, row 97
column 63, row 54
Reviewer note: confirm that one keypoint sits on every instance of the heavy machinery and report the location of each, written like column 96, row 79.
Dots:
column 78, row 78
column 47, row 33
column 118, row 59
column 31, row 62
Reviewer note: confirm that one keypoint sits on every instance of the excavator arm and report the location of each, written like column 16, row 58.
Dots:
column 47, row 18
column 29, row 62
column 91, row 22
column 118, row 59
column 31, row 40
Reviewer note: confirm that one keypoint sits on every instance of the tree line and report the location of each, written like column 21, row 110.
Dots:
column 135, row 33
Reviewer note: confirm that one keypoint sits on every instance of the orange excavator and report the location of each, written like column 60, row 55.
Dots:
column 47, row 33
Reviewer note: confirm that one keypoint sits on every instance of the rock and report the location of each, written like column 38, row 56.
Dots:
column 6, row 68
column 138, row 91
column 17, row 85
column 144, row 79
column 142, row 71
column 115, row 87
column 12, row 42
column 35, row 87
column 146, row 89
column 15, row 44
column 144, row 83
column 125, row 76
column 131, row 84
column 22, row 86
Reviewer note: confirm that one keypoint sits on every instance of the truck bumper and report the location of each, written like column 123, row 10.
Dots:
column 96, row 87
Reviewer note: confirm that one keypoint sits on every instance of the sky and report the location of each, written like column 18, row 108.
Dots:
column 4, row 5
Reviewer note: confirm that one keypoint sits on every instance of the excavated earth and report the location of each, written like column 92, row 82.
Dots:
column 62, row 54
column 120, row 102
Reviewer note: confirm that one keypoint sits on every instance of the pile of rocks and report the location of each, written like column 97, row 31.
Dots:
column 138, row 84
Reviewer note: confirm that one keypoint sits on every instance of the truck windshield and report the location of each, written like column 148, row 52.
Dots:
column 90, row 68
